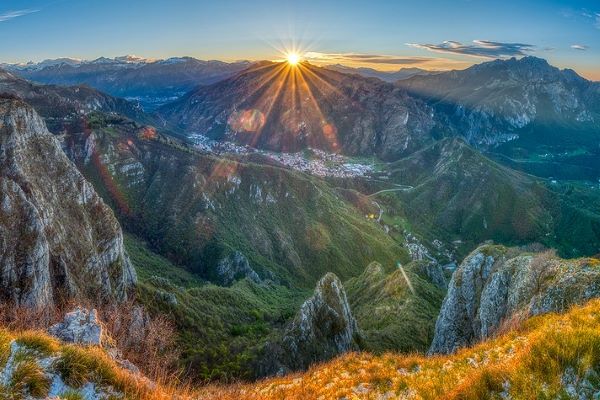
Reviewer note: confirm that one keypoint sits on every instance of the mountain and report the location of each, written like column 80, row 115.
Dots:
column 524, row 113
column 214, row 233
column 151, row 82
column 42, row 64
column 66, row 108
column 277, row 107
column 388, row 76
column 215, row 245
column 59, row 241
column 493, row 286
column 538, row 118
column 323, row 328
column 462, row 197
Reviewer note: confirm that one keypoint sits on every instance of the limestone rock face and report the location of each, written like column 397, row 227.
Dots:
column 58, row 240
column 235, row 267
column 79, row 326
column 491, row 286
column 323, row 328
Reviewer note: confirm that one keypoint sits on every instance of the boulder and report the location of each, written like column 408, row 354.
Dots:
column 79, row 326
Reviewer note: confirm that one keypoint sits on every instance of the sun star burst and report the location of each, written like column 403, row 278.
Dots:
column 293, row 58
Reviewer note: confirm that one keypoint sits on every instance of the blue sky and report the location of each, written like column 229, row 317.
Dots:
column 383, row 34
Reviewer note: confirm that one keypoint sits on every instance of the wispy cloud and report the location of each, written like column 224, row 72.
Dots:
column 479, row 48
column 579, row 47
column 583, row 14
column 590, row 15
column 365, row 58
column 8, row 15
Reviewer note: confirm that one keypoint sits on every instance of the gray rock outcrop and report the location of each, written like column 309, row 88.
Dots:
column 79, row 326
column 323, row 328
column 492, row 286
column 235, row 267
column 58, row 239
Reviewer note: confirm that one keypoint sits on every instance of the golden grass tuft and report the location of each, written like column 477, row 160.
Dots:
column 29, row 378
column 39, row 341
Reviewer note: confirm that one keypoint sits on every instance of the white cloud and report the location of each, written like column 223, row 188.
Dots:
column 365, row 58
column 479, row 48
column 579, row 47
column 8, row 15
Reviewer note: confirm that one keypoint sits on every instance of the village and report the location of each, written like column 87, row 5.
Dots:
column 312, row 161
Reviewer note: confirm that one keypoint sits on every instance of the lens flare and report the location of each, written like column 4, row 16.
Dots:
column 293, row 58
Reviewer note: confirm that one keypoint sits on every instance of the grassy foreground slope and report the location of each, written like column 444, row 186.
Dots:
column 555, row 356
column 547, row 357
column 34, row 365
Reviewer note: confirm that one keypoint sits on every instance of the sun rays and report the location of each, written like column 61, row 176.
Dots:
column 284, row 105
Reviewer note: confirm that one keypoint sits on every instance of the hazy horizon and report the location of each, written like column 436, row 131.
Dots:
column 383, row 35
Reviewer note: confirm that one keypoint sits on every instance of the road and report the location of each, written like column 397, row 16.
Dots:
column 400, row 189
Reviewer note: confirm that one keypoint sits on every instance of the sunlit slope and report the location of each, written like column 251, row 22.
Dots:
column 196, row 209
column 396, row 310
column 551, row 356
column 461, row 195
column 548, row 357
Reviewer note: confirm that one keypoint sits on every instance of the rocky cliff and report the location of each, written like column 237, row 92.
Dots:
column 495, row 284
column 58, row 239
column 323, row 328
column 491, row 103
column 67, row 108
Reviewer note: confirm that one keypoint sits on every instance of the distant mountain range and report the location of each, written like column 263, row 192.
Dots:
column 151, row 82
column 388, row 76
column 531, row 115
column 537, row 117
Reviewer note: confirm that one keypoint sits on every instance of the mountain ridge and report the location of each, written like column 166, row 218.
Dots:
column 65, row 245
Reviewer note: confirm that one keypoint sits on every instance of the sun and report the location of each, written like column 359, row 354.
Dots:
column 293, row 58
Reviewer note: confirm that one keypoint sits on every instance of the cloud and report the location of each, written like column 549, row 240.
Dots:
column 365, row 58
column 579, row 47
column 8, row 15
column 588, row 15
column 479, row 48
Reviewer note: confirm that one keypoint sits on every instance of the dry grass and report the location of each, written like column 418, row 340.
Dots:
column 150, row 347
column 78, row 365
column 29, row 378
column 527, row 363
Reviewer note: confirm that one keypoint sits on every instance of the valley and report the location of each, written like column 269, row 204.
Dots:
column 298, row 231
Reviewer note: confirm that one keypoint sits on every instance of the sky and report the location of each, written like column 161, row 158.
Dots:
column 386, row 35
